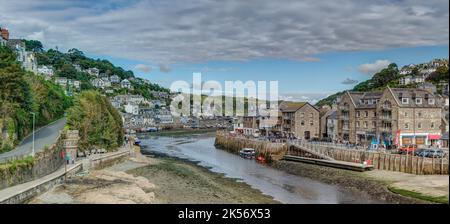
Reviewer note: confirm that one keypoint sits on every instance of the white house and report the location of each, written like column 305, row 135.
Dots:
column 114, row 79
column 77, row 67
column 44, row 70
column 93, row 71
column 76, row 84
column 125, row 84
column 98, row 83
column 62, row 81
column 132, row 109
column 411, row 79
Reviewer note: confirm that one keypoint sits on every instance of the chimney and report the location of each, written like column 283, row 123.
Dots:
column 5, row 34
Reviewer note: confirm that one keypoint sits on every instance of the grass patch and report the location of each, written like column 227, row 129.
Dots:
column 413, row 194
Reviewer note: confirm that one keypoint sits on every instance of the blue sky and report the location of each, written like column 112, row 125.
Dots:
column 311, row 47
column 296, row 78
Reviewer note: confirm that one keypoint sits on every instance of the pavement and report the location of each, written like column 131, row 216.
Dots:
column 45, row 136
column 9, row 192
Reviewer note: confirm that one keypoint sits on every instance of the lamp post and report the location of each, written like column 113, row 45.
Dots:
column 34, row 118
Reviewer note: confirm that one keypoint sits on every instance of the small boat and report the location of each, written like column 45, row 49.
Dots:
column 137, row 141
column 247, row 153
column 261, row 159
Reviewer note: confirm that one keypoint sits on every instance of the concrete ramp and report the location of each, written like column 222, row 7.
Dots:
column 336, row 164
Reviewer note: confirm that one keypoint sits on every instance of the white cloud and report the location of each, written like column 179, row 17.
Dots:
column 312, row 98
column 164, row 68
column 233, row 30
column 349, row 81
column 143, row 68
column 372, row 68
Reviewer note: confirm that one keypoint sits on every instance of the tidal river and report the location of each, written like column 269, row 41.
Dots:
column 283, row 187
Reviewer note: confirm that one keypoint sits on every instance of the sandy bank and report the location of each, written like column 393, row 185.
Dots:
column 146, row 180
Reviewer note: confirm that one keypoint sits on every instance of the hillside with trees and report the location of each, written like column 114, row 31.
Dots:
column 390, row 76
column 64, row 66
column 22, row 93
column 99, row 124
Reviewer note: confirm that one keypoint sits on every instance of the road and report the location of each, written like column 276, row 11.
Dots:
column 44, row 136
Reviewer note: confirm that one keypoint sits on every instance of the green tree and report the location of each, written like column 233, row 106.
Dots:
column 100, row 124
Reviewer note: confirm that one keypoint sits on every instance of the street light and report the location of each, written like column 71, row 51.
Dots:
column 34, row 118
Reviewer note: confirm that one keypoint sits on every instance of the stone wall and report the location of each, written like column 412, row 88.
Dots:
column 45, row 162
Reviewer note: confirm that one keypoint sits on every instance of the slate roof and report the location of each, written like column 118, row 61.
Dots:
column 412, row 94
column 288, row 106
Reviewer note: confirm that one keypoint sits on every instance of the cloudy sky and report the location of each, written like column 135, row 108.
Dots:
column 312, row 48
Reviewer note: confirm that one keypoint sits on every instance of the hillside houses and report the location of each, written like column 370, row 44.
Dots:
column 93, row 71
column 126, row 84
column 46, row 71
column 416, row 74
column 26, row 58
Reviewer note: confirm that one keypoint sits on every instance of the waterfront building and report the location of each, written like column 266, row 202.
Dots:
column 409, row 116
column 300, row 120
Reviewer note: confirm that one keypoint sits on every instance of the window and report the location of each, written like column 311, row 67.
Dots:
column 405, row 100
column 311, row 115
column 357, row 124
column 406, row 114
column 302, row 123
column 374, row 113
column 365, row 124
column 302, row 114
column 357, row 114
column 419, row 101
column 311, row 122
column 419, row 125
column 432, row 124
column 374, row 124
column 419, row 114
column 366, row 113
column 406, row 126
column 431, row 101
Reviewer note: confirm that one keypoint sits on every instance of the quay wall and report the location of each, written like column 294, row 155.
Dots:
column 270, row 150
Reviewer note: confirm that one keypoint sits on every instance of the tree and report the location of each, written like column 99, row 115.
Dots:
column 33, row 45
column 99, row 123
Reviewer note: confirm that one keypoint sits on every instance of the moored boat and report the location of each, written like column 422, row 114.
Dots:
column 247, row 153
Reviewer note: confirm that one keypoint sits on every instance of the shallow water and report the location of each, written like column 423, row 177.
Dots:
column 282, row 186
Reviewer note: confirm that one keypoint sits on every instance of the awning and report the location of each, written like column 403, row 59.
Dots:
column 434, row 137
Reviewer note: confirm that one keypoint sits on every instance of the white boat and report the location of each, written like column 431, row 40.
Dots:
column 247, row 153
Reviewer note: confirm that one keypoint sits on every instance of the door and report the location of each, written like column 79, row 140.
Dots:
column 307, row 135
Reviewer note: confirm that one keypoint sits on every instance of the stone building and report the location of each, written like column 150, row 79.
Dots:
column 409, row 116
column 300, row 120
column 357, row 117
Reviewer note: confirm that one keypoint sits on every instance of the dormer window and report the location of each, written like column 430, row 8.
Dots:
column 405, row 100
column 418, row 101
column 431, row 101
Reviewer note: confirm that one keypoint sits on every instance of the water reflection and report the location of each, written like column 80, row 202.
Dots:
column 284, row 187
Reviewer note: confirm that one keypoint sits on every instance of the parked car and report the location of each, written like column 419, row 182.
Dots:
column 432, row 153
column 407, row 149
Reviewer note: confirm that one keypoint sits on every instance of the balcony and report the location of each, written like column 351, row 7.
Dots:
column 345, row 118
column 343, row 108
column 386, row 107
column 345, row 128
column 386, row 117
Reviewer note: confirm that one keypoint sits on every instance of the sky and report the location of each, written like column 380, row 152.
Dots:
column 312, row 48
